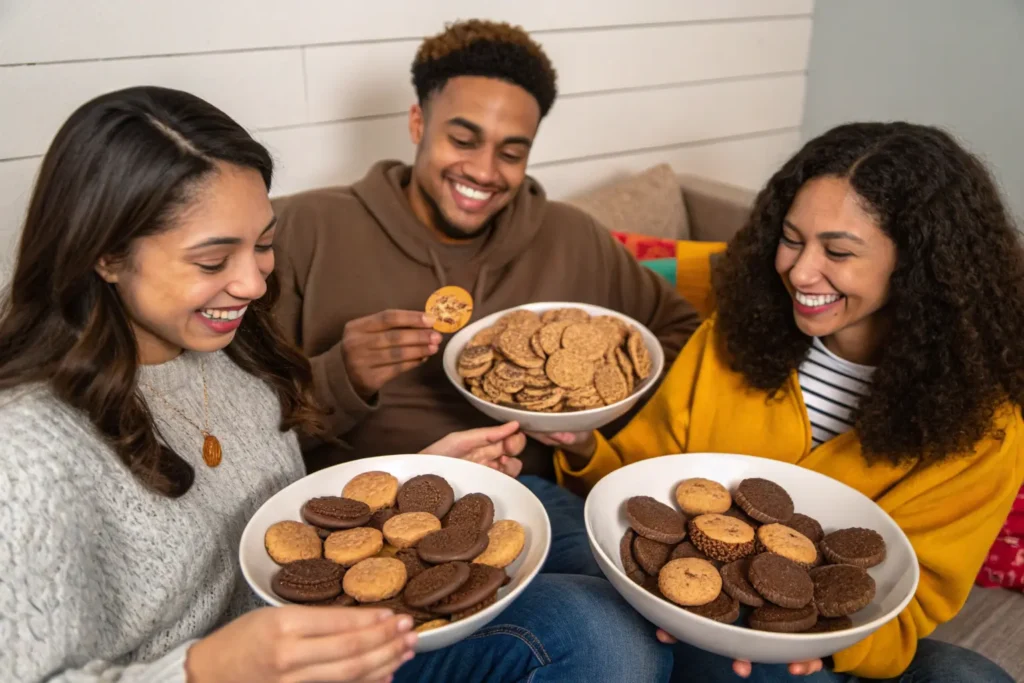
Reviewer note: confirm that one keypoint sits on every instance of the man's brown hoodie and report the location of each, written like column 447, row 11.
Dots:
column 348, row 252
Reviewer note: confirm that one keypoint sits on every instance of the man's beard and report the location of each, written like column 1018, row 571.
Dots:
column 444, row 225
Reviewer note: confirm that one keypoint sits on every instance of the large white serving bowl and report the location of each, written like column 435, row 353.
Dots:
column 834, row 504
column 511, row 500
column 580, row 421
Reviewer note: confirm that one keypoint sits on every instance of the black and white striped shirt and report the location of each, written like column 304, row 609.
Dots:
column 832, row 388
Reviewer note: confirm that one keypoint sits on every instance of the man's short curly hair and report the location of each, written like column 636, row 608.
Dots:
column 956, row 350
column 484, row 48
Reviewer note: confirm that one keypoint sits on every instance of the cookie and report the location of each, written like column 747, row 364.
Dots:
column 536, row 345
column 399, row 606
column 736, row 513
column 764, row 500
column 787, row 542
column 375, row 579
column 569, row 314
column 781, row 581
column 475, row 509
column 586, row 340
column 808, row 526
column 492, row 392
column 841, row 589
column 639, row 355
column 426, row 493
column 610, row 384
column 351, row 546
column 475, row 361
column 484, row 337
column 378, row 518
column 629, row 564
column 335, row 512
column 724, row 609
column 502, row 385
column 478, row 607
column 435, row 584
column 655, row 520
column 482, row 582
column 569, row 370
column 826, row 625
column 431, row 625
column 553, row 399
column 505, row 540
column 308, row 580
column 651, row 555
column 650, row 584
column 514, row 342
column 411, row 559
column 687, row 549
column 451, row 308
column 550, row 336
column 405, row 530
column 290, row 541
column 782, row 620
column 521, row 318
column 699, row 496
column 387, row 551
column 736, row 582
column 723, row 538
column 863, row 548
column 376, row 489
column 537, row 381
column 627, row 368
column 451, row 544
column 689, row 582
column 341, row 601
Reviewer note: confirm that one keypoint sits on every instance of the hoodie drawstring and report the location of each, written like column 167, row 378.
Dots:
column 438, row 270
column 442, row 279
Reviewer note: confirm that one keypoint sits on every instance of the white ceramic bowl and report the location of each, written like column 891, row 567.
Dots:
column 580, row 421
column 511, row 500
column 834, row 504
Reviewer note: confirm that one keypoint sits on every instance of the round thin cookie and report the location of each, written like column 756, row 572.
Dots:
column 841, row 589
column 426, row 493
column 826, row 625
column 569, row 370
column 451, row 544
column 451, row 308
column 586, row 339
column 289, row 541
column 476, row 509
column 334, row 512
column 639, row 355
column 700, row 496
column 689, row 582
column 610, row 383
column 514, row 342
column 787, row 542
column 629, row 563
column 505, row 540
column 435, row 584
column 764, row 500
column 862, row 548
column 721, row 537
column 483, row 581
column 780, row 581
column 376, row 489
column 351, row 546
column 375, row 579
column 651, row 555
column 782, row 620
column 724, row 609
column 431, row 625
column 688, row 549
column 654, row 520
column 474, row 361
column 411, row 559
column 407, row 529
column 308, row 580
column 736, row 582
column 808, row 526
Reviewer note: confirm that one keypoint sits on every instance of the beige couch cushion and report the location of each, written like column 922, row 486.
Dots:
column 649, row 203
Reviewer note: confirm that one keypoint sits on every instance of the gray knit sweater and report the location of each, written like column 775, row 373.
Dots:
column 101, row 580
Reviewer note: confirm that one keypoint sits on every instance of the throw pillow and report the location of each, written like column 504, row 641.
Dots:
column 649, row 203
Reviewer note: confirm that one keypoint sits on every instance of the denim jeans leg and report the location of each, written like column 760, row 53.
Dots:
column 570, row 550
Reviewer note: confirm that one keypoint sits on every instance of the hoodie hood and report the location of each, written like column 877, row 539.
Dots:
column 382, row 192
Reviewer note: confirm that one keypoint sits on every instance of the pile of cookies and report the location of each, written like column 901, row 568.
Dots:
column 560, row 360
column 749, row 548
column 412, row 548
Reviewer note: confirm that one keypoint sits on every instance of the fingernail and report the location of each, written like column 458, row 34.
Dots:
column 435, row 339
column 385, row 615
column 404, row 622
column 408, row 655
column 410, row 640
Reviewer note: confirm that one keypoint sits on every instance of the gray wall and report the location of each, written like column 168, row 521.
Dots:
column 958, row 64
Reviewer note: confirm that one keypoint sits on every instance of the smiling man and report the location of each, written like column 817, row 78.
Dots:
column 358, row 263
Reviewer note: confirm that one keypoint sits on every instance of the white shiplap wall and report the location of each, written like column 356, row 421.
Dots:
column 714, row 87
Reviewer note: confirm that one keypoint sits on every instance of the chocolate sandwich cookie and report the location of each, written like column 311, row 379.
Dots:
column 651, row 555
column 426, row 493
column 787, row 542
column 435, row 584
column 689, row 582
column 335, row 512
column 341, row 600
column 411, row 559
column 736, row 582
column 724, row 609
column 764, row 500
column 826, row 625
column 655, row 520
column 863, row 548
column 452, row 544
column 782, row 620
column 723, row 538
column 308, row 580
column 808, row 526
column 781, row 581
column 478, row 607
column 380, row 517
column 841, row 589
column 482, row 582
column 629, row 564
column 475, row 509
column 687, row 549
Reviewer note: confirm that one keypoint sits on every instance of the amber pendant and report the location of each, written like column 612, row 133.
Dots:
column 211, row 450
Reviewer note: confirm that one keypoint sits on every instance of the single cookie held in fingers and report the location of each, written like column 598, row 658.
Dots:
column 475, row 509
column 454, row 543
column 375, row 579
column 700, row 496
column 736, row 582
column 764, row 500
column 781, row 581
column 689, row 582
column 376, row 489
column 655, row 520
column 350, row 546
column 308, row 580
column 435, row 584
column 782, row 620
column 505, row 540
column 787, row 542
column 289, row 541
column 426, row 493
column 629, row 564
column 841, row 589
column 651, row 555
column 335, row 512
column 721, row 537
column 405, row 530
column 863, row 548
column 451, row 308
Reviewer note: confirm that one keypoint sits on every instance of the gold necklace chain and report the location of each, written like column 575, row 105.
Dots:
column 211, row 445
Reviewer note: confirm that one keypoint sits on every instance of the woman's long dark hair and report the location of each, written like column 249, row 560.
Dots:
column 956, row 350
column 119, row 169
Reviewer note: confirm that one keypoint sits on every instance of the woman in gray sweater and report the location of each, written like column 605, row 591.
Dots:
column 147, row 407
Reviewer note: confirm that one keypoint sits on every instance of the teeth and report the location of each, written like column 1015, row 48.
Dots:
column 816, row 300
column 222, row 314
column 470, row 193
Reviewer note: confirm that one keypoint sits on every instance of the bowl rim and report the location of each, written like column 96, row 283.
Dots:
column 503, row 601
column 648, row 383
column 862, row 630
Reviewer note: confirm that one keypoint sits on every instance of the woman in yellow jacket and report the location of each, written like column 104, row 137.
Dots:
column 869, row 326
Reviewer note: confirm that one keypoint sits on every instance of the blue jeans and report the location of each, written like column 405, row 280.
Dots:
column 570, row 550
column 935, row 662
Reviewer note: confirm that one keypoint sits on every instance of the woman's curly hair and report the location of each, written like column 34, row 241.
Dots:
column 955, row 353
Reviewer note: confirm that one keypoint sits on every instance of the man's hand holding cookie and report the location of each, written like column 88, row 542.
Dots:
column 382, row 346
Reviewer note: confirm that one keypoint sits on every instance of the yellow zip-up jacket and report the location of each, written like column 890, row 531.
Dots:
column 951, row 511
